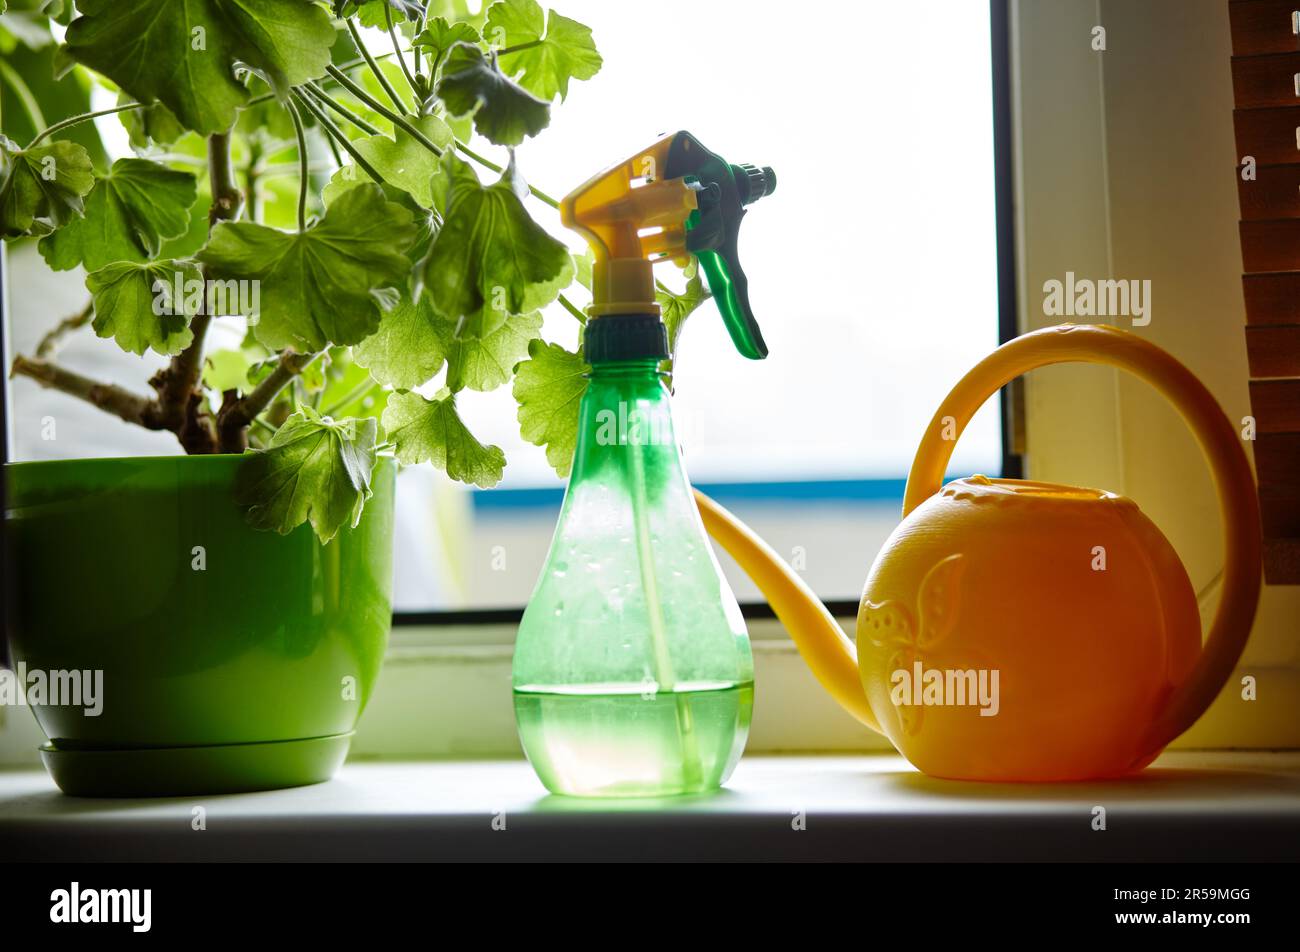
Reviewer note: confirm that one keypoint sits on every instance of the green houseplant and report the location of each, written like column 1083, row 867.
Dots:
column 390, row 266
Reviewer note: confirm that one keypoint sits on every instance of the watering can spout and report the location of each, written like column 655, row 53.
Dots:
column 820, row 640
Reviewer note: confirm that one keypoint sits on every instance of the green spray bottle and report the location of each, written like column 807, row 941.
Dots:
column 633, row 674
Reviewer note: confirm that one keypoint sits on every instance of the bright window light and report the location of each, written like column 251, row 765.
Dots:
column 873, row 267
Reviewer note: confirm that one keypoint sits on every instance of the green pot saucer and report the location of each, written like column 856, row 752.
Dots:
column 192, row 771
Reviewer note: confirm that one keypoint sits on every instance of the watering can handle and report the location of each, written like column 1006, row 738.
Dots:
column 1238, row 504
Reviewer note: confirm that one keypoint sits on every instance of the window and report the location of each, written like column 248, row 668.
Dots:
column 873, row 273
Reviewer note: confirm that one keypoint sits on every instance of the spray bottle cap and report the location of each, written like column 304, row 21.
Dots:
column 668, row 202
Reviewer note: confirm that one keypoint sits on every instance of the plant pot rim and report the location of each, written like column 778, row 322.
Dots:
column 191, row 459
column 72, row 460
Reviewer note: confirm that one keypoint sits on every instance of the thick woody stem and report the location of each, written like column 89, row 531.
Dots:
column 180, row 406
column 130, row 407
column 49, row 344
column 235, row 416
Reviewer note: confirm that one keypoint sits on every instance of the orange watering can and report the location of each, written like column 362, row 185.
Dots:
column 1027, row 631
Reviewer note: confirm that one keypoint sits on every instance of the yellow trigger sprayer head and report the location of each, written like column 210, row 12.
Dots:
column 670, row 201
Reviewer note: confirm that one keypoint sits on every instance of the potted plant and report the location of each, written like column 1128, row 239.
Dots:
column 236, row 598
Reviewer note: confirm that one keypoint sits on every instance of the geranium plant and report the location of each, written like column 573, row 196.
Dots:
column 397, row 263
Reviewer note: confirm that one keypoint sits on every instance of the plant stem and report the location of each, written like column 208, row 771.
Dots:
column 489, row 164
column 234, row 418
column 227, row 200
column 337, row 135
column 24, row 94
column 50, row 342
column 252, row 173
column 573, row 309
column 419, row 136
column 304, row 174
column 180, row 406
column 122, row 403
column 334, row 151
column 519, row 47
column 342, row 110
column 374, row 66
column 397, row 51
column 83, row 117
column 416, row 55
column 394, row 118
column 351, row 64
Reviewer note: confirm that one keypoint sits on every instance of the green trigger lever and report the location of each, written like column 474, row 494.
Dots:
column 712, row 230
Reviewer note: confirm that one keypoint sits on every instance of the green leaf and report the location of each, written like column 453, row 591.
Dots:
column 350, row 390
column 548, row 388
column 413, row 343
column 226, row 370
column 183, row 52
column 345, row 178
column 431, row 430
column 674, row 308
column 564, row 48
column 266, row 124
column 409, row 347
column 488, row 256
column 315, row 470
column 485, row 363
column 371, row 12
column 127, row 215
column 195, row 236
column 27, row 24
column 42, row 189
column 439, row 36
column 503, row 111
column 57, row 11
column 325, row 285
column 495, row 312
column 136, row 304
column 463, row 127
column 404, row 162
column 541, row 293
column 582, row 266
column 312, row 377
column 154, row 124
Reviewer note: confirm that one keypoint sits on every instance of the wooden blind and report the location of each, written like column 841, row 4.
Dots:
column 1266, row 89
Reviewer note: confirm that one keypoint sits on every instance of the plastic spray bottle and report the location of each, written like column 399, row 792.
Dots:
column 632, row 669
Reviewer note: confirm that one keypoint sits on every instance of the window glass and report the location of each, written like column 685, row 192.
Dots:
column 872, row 273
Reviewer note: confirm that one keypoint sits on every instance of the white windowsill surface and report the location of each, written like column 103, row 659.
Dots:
column 1192, row 805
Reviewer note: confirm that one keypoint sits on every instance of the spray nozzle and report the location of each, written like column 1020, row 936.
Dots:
column 673, row 200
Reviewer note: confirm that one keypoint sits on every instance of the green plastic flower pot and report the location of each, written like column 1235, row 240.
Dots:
column 232, row 659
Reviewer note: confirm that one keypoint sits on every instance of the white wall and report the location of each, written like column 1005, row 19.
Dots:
column 1125, row 168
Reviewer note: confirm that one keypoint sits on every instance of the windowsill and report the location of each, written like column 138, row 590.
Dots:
column 1193, row 805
